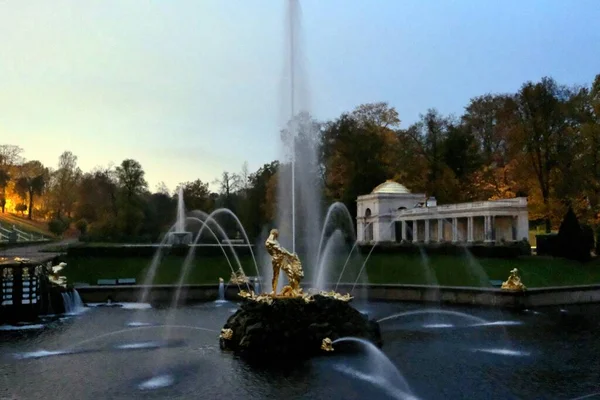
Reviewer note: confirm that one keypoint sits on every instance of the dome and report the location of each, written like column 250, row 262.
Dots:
column 390, row 186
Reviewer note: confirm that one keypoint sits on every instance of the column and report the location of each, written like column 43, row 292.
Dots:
column 403, row 230
column 470, row 229
column 415, row 232
column 454, row 230
column 486, row 228
column 426, row 231
column 361, row 230
column 493, row 227
column 440, row 232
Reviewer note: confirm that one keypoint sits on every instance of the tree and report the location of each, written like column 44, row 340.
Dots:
column 4, row 179
column 64, row 184
column 31, row 183
column 97, row 196
column 196, row 195
column 130, row 176
column 228, row 185
column 162, row 188
column 542, row 133
column 244, row 178
column 354, row 156
column 378, row 114
column 10, row 155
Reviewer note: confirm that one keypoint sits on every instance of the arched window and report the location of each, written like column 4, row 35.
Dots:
column 368, row 212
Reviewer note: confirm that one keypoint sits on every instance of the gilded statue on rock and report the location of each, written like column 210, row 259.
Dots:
column 513, row 282
column 282, row 259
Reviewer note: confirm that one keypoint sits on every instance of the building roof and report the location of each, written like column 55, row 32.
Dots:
column 390, row 186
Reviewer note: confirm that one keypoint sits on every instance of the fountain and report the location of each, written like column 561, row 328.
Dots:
column 273, row 326
column 179, row 236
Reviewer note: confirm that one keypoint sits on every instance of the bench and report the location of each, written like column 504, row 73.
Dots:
column 107, row 282
column 496, row 283
column 120, row 281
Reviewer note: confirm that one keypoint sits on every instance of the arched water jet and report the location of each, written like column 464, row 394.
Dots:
column 474, row 319
column 381, row 371
column 211, row 217
column 190, row 255
column 335, row 206
column 321, row 270
column 363, row 267
column 153, row 267
column 348, row 258
column 240, row 226
column 212, row 331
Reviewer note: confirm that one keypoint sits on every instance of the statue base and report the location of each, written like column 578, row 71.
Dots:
column 291, row 328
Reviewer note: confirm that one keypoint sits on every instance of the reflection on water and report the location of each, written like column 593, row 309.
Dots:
column 104, row 354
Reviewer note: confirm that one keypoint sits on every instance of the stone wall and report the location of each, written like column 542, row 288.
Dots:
column 162, row 294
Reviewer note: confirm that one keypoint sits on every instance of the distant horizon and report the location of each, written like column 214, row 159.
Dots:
column 192, row 89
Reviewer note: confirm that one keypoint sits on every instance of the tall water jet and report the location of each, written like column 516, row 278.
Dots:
column 299, row 206
column 179, row 236
column 180, row 222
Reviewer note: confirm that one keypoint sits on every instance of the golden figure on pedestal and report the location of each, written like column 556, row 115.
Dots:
column 513, row 282
column 282, row 259
column 327, row 344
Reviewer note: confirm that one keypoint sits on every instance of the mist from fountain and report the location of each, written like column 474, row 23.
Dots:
column 299, row 188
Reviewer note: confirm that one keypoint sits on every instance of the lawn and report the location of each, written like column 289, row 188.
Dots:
column 381, row 268
column 22, row 223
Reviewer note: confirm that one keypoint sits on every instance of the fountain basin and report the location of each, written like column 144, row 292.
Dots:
column 180, row 238
column 293, row 327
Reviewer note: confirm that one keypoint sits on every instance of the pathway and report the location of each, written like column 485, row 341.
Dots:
column 35, row 251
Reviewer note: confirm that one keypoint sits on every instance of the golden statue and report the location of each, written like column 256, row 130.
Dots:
column 226, row 334
column 327, row 344
column 289, row 262
column 239, row 278
column 513, row 282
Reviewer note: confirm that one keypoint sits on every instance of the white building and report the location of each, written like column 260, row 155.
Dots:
column 391, row 213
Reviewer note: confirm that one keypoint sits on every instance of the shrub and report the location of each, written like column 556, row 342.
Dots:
column 82, row 226
column 572, row 242
column 21, row 208
column 58, row 226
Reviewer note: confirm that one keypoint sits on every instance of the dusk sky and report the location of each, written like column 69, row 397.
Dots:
column 190, row 88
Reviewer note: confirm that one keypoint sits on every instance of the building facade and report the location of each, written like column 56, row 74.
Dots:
column 391, row 213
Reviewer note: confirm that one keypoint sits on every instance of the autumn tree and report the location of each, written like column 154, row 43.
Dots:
column 542, row 133
column 10, row 157
column 31, row 183
column 353, row 157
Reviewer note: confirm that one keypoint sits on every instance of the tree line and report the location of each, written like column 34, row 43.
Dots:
column 542, row 142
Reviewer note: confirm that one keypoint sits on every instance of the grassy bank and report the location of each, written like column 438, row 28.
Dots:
column 381, row 268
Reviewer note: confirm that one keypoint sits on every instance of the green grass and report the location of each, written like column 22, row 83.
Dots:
column 22, row 223
column 381, row 268
column 203, row 270
column 460, row 271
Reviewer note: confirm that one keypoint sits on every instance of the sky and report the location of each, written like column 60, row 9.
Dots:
column 191, row 88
